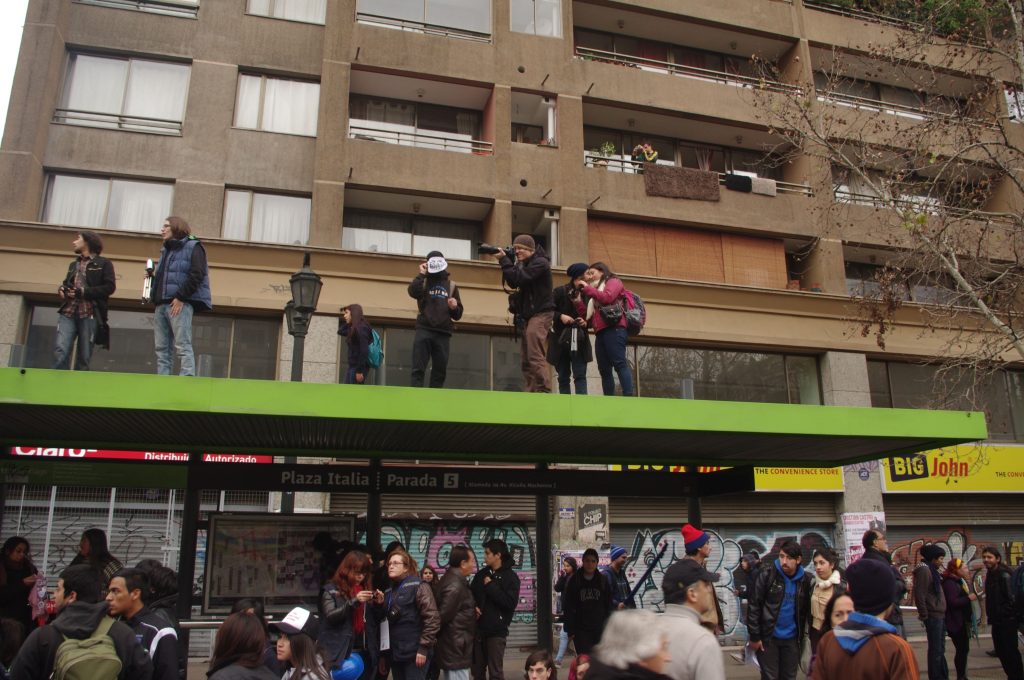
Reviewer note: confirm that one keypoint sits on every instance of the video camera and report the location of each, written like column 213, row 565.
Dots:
column 488, row 249
column 147, row 283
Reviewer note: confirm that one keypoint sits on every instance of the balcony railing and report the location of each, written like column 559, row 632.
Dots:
column 421, row 138
column 877, row 18
column 684, row 71
column 630, row 167
column 902, row 110
column 181, row 8
column 114, row 121
column 922, row 204
column 421, row 27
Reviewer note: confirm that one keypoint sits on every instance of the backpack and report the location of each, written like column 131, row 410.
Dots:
column 91, row 658
column 636, row 313
column 376, row 351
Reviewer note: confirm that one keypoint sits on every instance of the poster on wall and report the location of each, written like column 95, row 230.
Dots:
column 854, row 526
column 978, row 468
column 266, row 556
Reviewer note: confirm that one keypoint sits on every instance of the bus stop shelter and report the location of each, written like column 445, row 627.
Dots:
column 198, row 415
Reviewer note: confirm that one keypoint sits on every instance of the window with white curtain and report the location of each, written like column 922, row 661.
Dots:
column 277, row 105
column 381, row 232
column 103, row 202
column 125, row 94
column 272, row 218
column 469, row 19
column 174, row 8
column 538, row 17
column 309, row 11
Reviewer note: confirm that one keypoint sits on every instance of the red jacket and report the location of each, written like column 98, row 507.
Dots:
column 613, row 290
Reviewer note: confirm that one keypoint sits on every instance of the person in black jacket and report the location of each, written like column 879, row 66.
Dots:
column 125, row 596
column 358, row 335
column 80, row 610
column 588, row 603
column 569, row 349
column 85, row 290
column 778, row 615
column 496, row 591
column 440, row 304
column 457, row 608
column 569, row 567
column 1001, row 614
column 531, row 274
column 877, row 548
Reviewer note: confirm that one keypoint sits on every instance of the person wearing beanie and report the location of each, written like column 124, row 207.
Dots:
column 615, row 572
column 440, row 306
column 569, row 348
column 533, row 307
column 697, row 545
column 865, row 646
column 931, row 608
column 778, row 614
column 604, row 297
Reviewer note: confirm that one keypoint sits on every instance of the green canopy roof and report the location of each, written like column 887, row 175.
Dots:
column 171, row 413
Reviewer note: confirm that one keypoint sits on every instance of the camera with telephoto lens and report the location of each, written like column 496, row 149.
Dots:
column 488, row 249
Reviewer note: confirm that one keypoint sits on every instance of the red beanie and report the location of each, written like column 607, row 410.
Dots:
column 693, row 538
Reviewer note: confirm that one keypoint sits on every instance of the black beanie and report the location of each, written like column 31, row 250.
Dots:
column 872, row 586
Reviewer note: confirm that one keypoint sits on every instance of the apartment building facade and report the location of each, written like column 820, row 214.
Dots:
column 369, row 132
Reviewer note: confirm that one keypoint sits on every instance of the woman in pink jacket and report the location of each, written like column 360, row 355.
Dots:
column 601, row 288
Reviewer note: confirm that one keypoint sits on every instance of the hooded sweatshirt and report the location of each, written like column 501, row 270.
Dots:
column 78, row 620
column 786, row 624
column 864, row 647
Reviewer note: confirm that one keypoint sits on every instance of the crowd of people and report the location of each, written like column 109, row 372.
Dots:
column 553, row 322
column 379, row 614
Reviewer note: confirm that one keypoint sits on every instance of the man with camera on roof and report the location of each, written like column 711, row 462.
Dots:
column 531, row 275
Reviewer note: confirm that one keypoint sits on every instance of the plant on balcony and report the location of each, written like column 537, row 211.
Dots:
column 605, row 151
column 944, row 185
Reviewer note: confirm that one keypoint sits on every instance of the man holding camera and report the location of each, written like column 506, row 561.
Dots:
column 86, row 288
column 531, row 274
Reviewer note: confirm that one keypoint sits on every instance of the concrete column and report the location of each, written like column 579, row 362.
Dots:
column 844, row 382
column 320, row 362
column 825, row 267
column 12, row 320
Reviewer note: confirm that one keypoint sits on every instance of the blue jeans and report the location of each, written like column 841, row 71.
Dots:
column 610, row 351
column 563, row 638
column 938, row 669
column 176, row 329
column 571, row 369
column 68, row 330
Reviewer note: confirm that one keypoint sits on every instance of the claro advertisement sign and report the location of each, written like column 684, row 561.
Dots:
column 103, row 454
column 977, row 468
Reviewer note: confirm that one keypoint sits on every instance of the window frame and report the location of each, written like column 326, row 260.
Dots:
column 181, row 9
column 411, row 220
column 264, row 77
column 273, row 4
column 249, row 212
column 121, row 121
column 109, row 180
column 533, row 3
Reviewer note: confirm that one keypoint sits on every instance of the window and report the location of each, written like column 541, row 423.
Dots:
column 430, row 126
column 277, row 105
column 107, row 203
column 457, row 18
column 1015, row 103
column 380, row 232
column 998, row 394
column 272, row 218
column 534, row 118
column 225, row 347
column 539, row 17
column 310, row 11
column 679, row 372
column 174, row 8
column 124, row 94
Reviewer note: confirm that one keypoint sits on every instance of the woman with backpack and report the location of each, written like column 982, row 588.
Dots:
column 603, row 305
column 358, row 334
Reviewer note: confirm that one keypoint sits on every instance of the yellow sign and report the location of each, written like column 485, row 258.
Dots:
column 768, row 478
column 971, row 467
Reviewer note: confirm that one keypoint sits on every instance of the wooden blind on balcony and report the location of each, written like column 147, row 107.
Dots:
column 690, row 254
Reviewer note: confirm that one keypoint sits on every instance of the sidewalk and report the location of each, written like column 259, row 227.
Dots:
column 979, row 665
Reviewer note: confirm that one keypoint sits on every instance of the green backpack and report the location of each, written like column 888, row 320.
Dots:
column 91, row 658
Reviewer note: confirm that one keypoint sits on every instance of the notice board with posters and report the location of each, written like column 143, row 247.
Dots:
column 266, row 556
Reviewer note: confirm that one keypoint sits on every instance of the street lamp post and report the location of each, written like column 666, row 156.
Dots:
column 298, row 313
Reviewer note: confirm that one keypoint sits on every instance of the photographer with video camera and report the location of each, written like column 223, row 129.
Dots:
column 531, row 275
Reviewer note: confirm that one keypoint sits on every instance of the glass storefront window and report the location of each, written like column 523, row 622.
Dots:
column 235, row 347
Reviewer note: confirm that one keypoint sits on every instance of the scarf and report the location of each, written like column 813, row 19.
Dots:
column 936, row 578
column 853, row 633
column 832, row 580
column 590, row 301
column 823, row 589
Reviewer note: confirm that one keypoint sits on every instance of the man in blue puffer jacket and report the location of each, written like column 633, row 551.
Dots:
column 181, row 287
